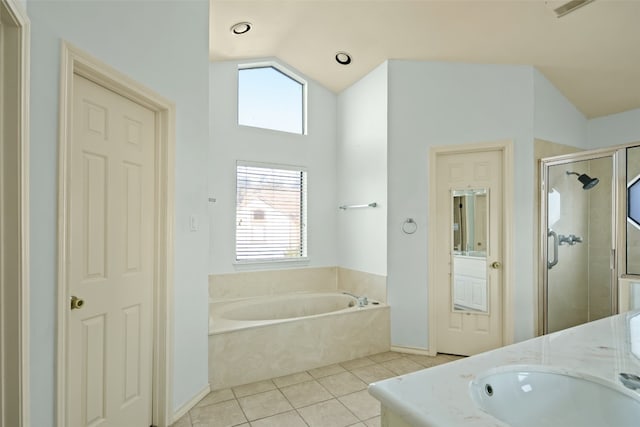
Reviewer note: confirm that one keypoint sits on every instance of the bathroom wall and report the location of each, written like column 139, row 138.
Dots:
column 554, row 117
column 163, row 45
column 435, row 104
column 362, row 173
column 616, row 129
column 390, row 119
column 428, row 104
column 543, row 149
column 230, row 142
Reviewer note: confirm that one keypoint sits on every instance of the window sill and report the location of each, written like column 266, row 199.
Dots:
column 270, row 264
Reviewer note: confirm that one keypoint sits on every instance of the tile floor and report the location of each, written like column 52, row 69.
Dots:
column 331, row 396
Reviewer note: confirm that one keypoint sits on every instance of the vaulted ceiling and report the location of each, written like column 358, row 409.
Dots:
column 592, row 55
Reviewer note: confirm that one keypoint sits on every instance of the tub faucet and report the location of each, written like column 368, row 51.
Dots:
column 630, row 381
column 362, row 301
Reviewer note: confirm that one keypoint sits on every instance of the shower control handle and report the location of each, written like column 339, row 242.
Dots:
column 496, row 265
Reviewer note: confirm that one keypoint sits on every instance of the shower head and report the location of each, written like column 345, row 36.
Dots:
column 587, row 182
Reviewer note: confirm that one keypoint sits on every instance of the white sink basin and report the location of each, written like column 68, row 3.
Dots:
column 526, row 396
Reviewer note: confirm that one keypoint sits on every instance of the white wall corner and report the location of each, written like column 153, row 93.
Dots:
column 190, row 404
column 555, row 118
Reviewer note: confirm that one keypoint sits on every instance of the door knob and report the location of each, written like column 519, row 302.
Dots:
column 76, row 303
column 496, row 265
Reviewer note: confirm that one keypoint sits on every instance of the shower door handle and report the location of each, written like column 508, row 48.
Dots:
column 551, row 264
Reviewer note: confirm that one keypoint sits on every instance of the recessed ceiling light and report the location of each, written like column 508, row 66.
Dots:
column 343, row 58
column 241, row 27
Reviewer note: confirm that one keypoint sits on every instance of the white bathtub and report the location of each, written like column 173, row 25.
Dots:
column 259, row 338
column 252, row 312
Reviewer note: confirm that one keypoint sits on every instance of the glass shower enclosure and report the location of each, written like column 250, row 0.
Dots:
column 578, row 249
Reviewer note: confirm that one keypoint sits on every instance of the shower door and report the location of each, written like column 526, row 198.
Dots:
column 578, row 244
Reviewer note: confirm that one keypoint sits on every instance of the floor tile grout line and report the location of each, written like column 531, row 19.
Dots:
column 242, row 409
column 350, row 411
column 277, row 413
column 294, row 408
column 334, row 397
column 366, row 388
column 437, row 360
column 301, row 417
column 320, row 384
column 306, row 406
column 255, row 382
column 361, row 419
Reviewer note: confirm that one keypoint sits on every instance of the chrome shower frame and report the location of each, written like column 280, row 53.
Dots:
column 618, row 208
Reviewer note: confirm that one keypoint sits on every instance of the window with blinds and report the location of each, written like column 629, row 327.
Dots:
column 270, row 212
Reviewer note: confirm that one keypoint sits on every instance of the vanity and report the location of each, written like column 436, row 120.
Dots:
column 580, row 364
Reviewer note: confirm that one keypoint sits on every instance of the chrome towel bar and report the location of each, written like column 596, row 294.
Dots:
column 370, row 205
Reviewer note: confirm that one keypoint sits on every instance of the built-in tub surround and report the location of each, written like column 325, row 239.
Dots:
column 320, row 279
column 253, row 339
column 360, row 283
column 269, row 282
column 440, row 396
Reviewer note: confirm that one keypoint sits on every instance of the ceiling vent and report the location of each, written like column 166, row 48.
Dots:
column 567, row 7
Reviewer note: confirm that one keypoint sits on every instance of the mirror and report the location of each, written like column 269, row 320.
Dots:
column 470, row 222
column 470, row 219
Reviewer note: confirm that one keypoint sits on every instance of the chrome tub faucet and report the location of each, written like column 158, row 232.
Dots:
column 362, row 301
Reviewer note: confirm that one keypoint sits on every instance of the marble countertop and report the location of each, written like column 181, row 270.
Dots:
column 439, row 396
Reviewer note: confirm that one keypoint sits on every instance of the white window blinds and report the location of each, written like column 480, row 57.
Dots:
column 270, row 212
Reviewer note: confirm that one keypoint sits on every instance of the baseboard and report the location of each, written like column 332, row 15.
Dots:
column 191, row 403
column 412, row 350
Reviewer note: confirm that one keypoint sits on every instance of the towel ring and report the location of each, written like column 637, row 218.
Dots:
column 409, row 226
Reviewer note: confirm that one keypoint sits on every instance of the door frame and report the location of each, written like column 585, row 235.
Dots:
column 617, row 186
column 506, row 147
column 75, row 61
column 14, row 333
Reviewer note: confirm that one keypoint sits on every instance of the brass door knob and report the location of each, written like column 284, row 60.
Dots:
column 496, row 265
column 76, row 303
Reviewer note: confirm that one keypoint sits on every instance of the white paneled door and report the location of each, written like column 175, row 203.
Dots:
column 469, row 329
column 110, row 244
